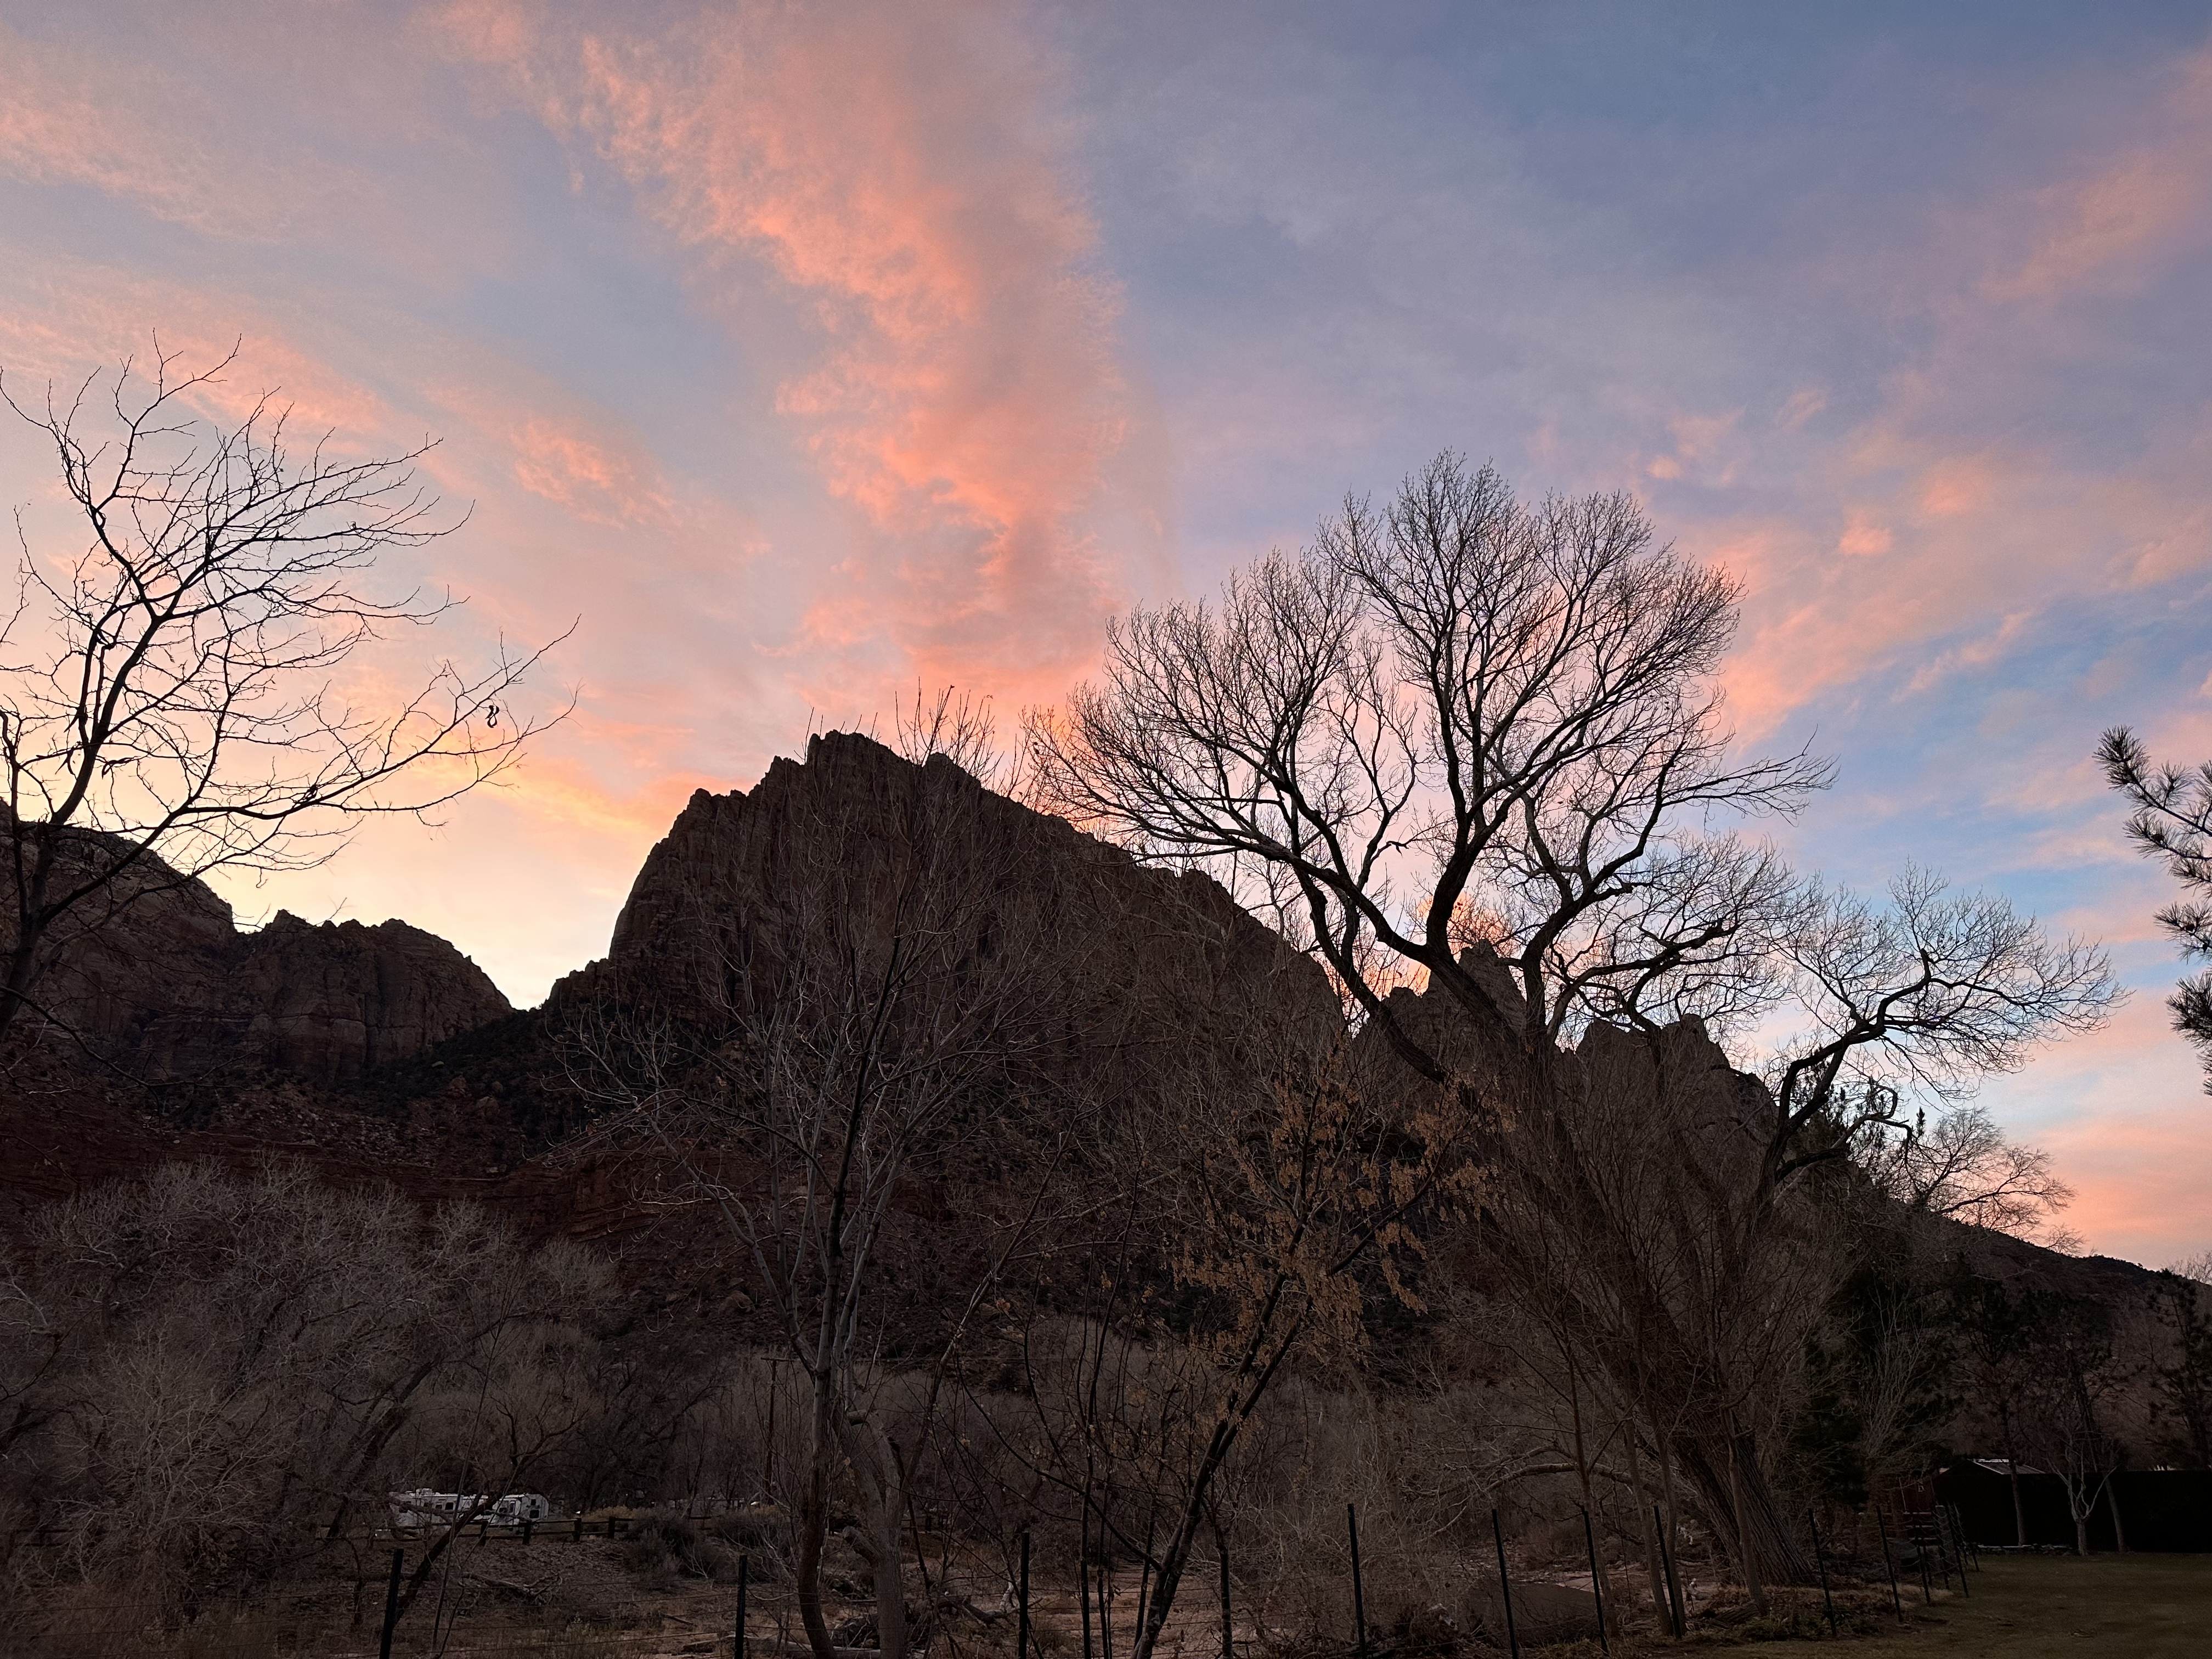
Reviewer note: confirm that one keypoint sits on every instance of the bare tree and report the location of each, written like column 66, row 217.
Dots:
column 237, row 1361
column 1281, row 1211
column 2074, row 1375
column 2172, row 821
column 1476, row 745
column 1502, row 710
column 1921, row 997
column 168, row 704
column 878, row 1005
column 1961, row 1166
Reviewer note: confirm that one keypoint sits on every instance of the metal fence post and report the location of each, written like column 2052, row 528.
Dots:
column 1942, row 1542
column 390, row 1605
column 1970, row 1552
column 1504, row 1587
column 1821, row 1557
column 1889, row 1561
column 745, row 1572
column 1359, row 1589
column 1597, row 1590
column 1022, row 1637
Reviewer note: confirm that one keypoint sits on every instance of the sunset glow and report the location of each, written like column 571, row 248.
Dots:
column 799, row 354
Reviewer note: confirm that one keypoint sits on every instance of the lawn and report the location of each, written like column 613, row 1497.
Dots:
column 2130, row 1606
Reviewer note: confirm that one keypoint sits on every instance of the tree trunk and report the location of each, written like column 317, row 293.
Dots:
column 31, row 918
column 1755, row 1587
column 2113, row 1498
column 1600, row 1587
column 814, row 1515
column 1767, row 1538
column 876, row 1463
column 1185, row 1541
column 1647, row 1526
column 2012, row 1472
column 1671, row 1543
column 22, row 961
column 2080, row 1510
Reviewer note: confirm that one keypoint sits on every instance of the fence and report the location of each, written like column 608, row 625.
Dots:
column 1920, row 1550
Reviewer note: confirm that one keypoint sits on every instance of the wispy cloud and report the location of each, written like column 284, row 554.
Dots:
column 896, row 169
column 142, row 132
column 1935, row 530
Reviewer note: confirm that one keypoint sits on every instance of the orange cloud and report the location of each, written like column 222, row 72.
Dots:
column 893, row 167
column 1864, row 536
column 2135, row 1141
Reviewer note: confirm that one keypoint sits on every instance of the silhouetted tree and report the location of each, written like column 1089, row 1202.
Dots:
column 876, row 1005
column 168, row 707
column 2074, row 1371
column 2172, row 821
column 1999, row 1326
column 1460, row 735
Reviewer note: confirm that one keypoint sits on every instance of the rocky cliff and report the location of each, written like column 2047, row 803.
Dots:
column 166, row 986
column 1146, row 967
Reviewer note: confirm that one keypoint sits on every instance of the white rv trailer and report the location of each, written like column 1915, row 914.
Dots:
column 425, row 1508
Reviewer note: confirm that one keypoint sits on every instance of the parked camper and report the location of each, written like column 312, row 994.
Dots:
column 424, row 1508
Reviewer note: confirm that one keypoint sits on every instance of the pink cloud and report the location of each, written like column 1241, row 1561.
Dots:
column 65, row 318
column 552, row 442
column 2099, row 231
column 1982, row 525
column 893, row 167
column 139, row 132
column 1864, row 535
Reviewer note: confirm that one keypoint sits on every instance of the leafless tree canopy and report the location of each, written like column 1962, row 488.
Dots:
column 170, row 696
column 1463, row 721
column 1459, row 710
column 1473, row 745
column 1925, row 996
column 1960, row 1165
column 207, row 1375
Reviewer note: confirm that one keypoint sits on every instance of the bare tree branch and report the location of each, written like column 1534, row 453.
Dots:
column 170, row 698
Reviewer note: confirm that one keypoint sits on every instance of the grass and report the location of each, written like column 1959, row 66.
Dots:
column 2130, row 1606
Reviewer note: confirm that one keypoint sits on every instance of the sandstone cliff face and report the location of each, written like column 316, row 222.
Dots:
column 1147, row 963
column 168, row 987
column 334, row 1000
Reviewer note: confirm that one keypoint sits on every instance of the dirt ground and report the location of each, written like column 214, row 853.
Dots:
column 571, row 1602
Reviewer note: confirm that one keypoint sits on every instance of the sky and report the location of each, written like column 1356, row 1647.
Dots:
column 801, row 355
